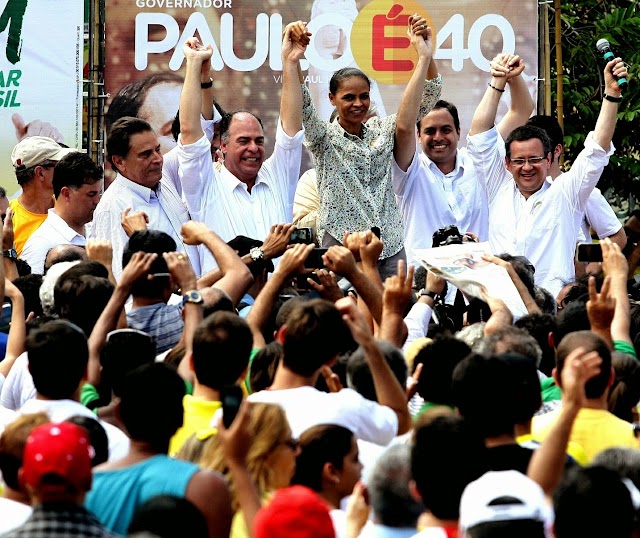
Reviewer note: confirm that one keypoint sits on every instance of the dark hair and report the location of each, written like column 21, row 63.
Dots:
column 315, row 334
column 539, row 326
column 527, row 398
column 153, row 241
column 359, row 374
column 175, row 125
column 74, row 170
column 445, row 457
column 598, row 492
column 25, row 175
column 326, row 443
column 12, row 442
column 3, row 192
column 120, row 133
column 151, row 404
column 81, row 299
column 97, row 437
column 123, row 351
column 221, row 347
column 528, row 132
column 64, row 253
column 550, row 125
column 572, row 318
column 29, row 286
column 343, row 74
column 129, row 100
column 523, row 268
column 545, row 300
column 58, row 356
column 590, row 341
column 262, row 369
column 217, row 300
column 510, row 338
column 481, row 386
column 227, row 119
column 439, row 360
column 449, row 107
column 167, row 516
column 625, row 391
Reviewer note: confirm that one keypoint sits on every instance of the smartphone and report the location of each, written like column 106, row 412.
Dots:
column 589, row 252
column 231, row 398
column 314, row 260
column 301, row 235
column 376, row 231
column 301, row 281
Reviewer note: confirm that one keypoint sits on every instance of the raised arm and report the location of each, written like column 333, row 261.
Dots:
column 294, row 45
column 521, row 105
column 503, row 67
column 292, row 263
column 235, row 277
column 405, row 136
column 389, row 392
column 138, row 267
column 191, row 96
column 17, row 330
column 615, row 267
column 606, row 123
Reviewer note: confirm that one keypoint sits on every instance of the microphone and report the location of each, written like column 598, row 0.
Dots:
column 604, row 47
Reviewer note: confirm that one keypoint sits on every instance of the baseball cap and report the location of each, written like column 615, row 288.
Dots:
column 60, row 449
column 34, row 150
column 294, row 512
column 503, row 496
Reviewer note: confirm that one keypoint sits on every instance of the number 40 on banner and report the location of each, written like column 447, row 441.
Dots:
column 454, row 27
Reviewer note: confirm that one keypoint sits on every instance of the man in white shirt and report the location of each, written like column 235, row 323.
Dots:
column 249, row 194
column 134, row 151
column 76, row 188
column 440, row 186
column 529, row 215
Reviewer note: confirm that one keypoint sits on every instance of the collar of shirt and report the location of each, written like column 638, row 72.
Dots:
column 231, row 182
column 458, row 169
column 140, row 190
column 61, row 226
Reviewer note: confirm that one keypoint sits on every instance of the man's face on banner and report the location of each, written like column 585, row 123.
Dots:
column 160, row 107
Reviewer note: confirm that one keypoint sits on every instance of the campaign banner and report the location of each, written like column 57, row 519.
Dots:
column 41, row 63
column 145, row 37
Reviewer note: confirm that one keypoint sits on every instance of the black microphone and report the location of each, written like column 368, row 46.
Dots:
column 604, row 47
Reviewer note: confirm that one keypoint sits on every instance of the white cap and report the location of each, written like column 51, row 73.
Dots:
column 33, row 150
column 476, row 503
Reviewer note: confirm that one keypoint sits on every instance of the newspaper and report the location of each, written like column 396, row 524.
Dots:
column 463, row 266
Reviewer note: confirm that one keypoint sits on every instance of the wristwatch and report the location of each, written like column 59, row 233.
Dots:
column 11, row 254
column 193, row 296
column 424, row 292
column 256, row 254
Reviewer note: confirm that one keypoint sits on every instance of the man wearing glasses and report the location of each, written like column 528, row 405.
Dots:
column 529, row 215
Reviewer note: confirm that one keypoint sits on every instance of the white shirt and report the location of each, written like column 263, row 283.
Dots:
column 164, row 207
column 61, row 410
column 52, row 232
column 18, row 386
column 429, row 199
column 599, row 216
column 222, row 201
column 543, row 227
column 306, row 407
column 12, row 515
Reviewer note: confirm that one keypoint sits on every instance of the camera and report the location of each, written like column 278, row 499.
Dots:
column 301, row 235
column 447, row 235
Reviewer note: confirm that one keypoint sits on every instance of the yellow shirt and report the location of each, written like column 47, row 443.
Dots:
column 197, row 416
column 24, row 224
column 594, row 430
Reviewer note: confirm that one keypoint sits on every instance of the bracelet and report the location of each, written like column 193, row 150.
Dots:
column 206, row 85
column 496, row 89
column 613, row 99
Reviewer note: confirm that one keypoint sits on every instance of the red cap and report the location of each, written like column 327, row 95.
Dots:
column 61, row 449
column 294, row 512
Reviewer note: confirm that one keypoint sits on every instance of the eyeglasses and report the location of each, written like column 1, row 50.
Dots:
column 533, row 161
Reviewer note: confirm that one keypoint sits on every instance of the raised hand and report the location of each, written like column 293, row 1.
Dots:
column 398, row 289
column 295, row 39
column 601, row 306
column 135, row 222
column 328, row 287
column 292, row 262
column 180, row 268
column 138, row 267
column 194, row 50
column 276, row 242
column 420, row 35
column 193, row 232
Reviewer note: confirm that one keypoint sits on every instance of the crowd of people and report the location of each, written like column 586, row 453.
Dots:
column 181, row 359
